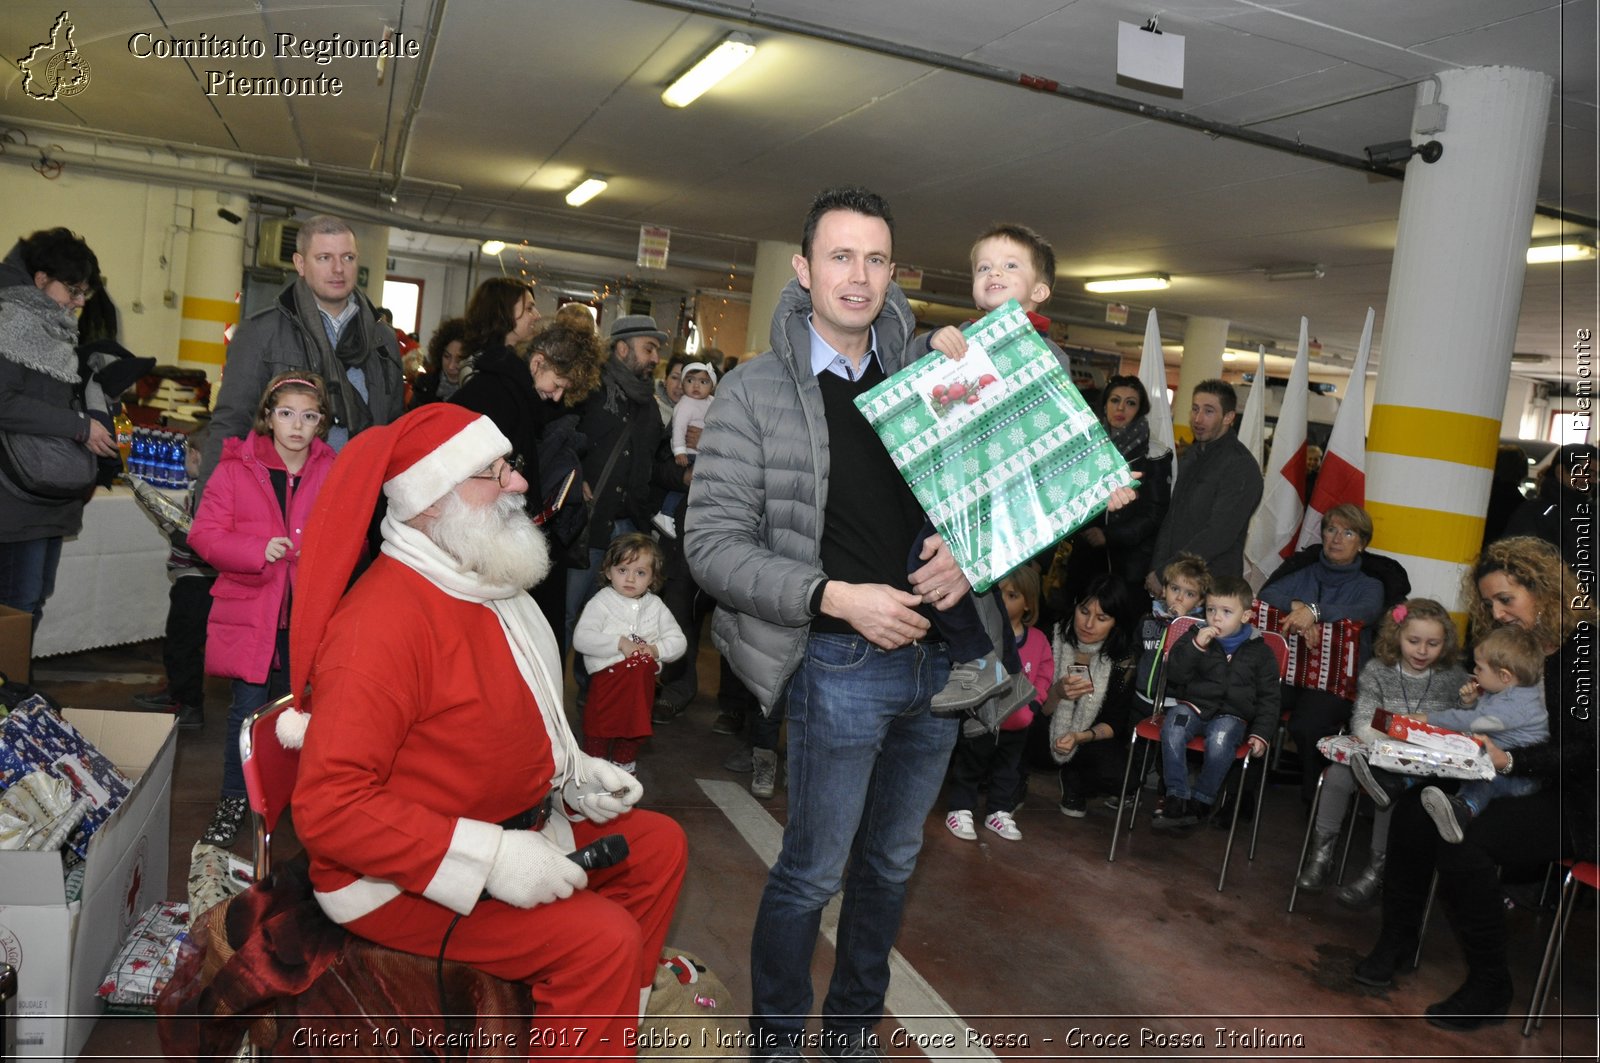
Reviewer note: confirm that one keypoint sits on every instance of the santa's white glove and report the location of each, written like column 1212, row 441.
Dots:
column 529, row 870
column 608, row 793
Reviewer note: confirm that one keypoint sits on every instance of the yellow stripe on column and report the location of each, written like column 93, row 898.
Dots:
column 1425, row 532
column 225, row 311
column 1415, row 432
column 201, row 351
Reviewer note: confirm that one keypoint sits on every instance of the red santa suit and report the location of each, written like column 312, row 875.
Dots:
column 426, row 734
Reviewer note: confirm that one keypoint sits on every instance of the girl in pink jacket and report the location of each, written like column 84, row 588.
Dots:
column 252, row 514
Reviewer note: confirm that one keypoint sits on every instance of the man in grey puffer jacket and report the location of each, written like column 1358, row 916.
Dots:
column 807, row 556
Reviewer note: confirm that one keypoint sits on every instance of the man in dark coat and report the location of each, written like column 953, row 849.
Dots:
column 320, row 323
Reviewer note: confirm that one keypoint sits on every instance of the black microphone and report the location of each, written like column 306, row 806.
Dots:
column 601, row 853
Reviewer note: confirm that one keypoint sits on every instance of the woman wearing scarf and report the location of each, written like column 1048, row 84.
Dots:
column 1121, row 543
column 43, row 280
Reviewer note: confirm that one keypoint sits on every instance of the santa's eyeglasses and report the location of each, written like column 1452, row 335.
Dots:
column 502, row 474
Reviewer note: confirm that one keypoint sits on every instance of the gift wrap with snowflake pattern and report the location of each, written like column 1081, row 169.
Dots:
column 999, row 448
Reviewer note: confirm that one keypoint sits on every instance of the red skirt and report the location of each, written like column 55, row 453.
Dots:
column 620, row 698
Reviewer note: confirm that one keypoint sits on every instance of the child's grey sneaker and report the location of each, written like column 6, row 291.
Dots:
column 971, row 683
column 1368, row 782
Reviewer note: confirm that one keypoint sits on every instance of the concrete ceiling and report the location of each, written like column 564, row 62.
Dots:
column 511, row 101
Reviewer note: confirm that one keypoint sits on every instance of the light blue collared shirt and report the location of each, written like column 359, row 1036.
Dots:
column 339, row 435
column 824, row 359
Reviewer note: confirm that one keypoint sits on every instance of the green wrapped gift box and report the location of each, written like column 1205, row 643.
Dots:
column 999, row 448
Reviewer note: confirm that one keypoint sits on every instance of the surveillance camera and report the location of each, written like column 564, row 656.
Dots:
column 1391, row 153
column 228, row 216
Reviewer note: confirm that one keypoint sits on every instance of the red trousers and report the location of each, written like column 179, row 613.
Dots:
column 585, row 958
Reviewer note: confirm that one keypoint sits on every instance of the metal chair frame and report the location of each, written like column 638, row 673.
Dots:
column 1579, row 873
column 264, row 760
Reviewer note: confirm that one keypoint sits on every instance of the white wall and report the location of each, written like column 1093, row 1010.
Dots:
column 131, row 227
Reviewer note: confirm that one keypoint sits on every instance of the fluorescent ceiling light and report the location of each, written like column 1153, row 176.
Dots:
column 586, row 190
column 1148, row 282
column 1560, row 251
column 493, row 247
column 715, row 65
column 1297, row 273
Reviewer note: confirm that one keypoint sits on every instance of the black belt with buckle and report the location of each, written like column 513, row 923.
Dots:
column 533, row 818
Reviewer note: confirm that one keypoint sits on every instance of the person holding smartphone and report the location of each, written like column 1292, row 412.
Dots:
column 1089, row 703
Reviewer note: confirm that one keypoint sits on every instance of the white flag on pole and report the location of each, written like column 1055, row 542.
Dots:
column 1253, row 426
column 1343, row 476
column 1276, row 525
column 1153, row 375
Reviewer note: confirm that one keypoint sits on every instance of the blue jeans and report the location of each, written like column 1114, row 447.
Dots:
column 28, row 574
column 866, row 762
column 1223, row 735
column 247, row 698
column 1477, row 793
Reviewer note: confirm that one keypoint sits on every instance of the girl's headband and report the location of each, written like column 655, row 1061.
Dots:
column 296, row 380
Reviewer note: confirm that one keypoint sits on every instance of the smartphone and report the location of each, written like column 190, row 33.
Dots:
column 1078, row 670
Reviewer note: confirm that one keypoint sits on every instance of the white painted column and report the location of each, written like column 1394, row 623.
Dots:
column 774, row 269
column 213, row 272
column 1203, row 340
column 1455, row 292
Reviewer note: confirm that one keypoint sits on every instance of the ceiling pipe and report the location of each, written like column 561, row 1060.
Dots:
column 419, row 86
column 343, row 208
column 988, row 72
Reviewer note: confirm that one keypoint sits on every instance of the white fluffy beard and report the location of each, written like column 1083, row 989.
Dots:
column 499, row 543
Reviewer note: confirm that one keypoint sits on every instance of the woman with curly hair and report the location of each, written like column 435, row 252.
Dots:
column 529, row 400
column 1519, row 582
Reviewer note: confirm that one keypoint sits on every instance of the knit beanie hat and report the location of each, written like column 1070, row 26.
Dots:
column 414, row 461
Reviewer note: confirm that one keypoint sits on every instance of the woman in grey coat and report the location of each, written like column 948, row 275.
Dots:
column 43, row 280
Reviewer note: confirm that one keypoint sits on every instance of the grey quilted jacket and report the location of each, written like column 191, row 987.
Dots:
column 753, row 534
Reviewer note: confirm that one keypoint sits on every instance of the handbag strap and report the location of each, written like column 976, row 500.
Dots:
column 611, row 463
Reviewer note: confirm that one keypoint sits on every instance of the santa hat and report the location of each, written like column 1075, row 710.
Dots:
column 415, row 461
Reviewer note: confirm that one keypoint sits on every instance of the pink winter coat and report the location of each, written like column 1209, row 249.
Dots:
column 238, row 513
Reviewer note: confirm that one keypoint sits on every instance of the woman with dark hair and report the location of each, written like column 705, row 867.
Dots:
column 500, row 317
column 1121, row 542
column 529, row 400
column 1519, row 581
column 447, row 358
column 1089, row 704
column 44, row 279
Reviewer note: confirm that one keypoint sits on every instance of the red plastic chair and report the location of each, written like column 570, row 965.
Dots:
column 1149, row 730
column 269, row 774
column 1579, row 873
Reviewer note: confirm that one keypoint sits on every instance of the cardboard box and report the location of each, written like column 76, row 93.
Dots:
column 62, row 951
column 16, row 643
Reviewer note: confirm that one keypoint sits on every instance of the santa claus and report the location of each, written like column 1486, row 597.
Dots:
column 441, row 790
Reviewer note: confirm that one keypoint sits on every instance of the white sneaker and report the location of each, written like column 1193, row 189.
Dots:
column 663, row 524
column 1002, row 824
column 960, row 824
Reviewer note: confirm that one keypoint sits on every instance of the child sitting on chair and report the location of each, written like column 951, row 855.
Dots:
column 1229, row 678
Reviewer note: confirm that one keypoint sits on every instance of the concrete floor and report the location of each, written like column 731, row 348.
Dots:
column 1037, row 946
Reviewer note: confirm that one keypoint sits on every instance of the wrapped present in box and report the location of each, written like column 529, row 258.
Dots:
column 35, row 736
column 1407, row 758
column 999, row 448
column 1418, row 733
column 1331, row 666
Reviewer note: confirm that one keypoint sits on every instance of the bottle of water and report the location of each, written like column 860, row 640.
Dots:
column 139, row 459
column 163, row 462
